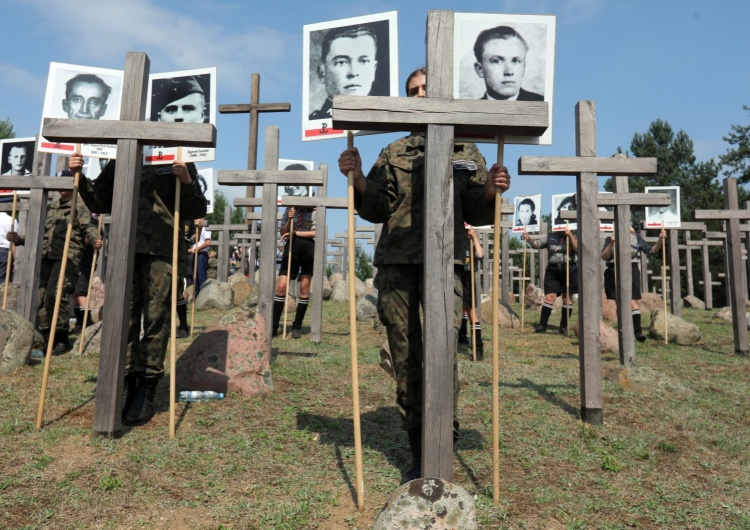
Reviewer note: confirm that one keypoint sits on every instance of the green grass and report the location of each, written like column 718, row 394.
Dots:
column 674, row 451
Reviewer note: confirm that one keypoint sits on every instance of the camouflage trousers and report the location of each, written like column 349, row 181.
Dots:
column 49, row 275
column 400, row 295
column 150, row 305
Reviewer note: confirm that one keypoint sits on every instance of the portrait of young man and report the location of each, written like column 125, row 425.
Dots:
column 349, row 57
column 77, row 92
column 17, row 157
column 297, row 190
column 186, row 96
column 502, row 57
column 668, row 215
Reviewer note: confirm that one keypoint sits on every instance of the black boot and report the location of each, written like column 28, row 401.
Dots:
column 128, row 392
column 299, row 316
column 142, row 409
column 183, row 330
column 546, row 312
column 78, row 312
column 62, row 342
column 415, row 444
column 463, row 337
column 637, row 329
column 478, row 341
column 566, row 311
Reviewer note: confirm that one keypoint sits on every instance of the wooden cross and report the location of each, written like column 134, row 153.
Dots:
column 586, row 166
column 254, row 108
column 442, row 117
column 130, row 134
column 675, row 289
column 223, row 231
column 270, row 179
column 732, row 216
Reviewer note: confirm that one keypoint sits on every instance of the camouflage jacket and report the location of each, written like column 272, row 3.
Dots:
column 56, row 227
column 154, row 232
column 394, row 196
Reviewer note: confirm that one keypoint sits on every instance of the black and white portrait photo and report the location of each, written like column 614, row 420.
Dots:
column 81, row 93
column 562, row 202
column 668, row 215
column 181, row 97
column 353, row 57
column 17, row 159
column 297, row 190
column 206, row 181
column 505, row 58
column 527, row 213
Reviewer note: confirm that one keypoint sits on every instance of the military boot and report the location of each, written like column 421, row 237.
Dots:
column 415, row 444
column 128, row 393
column 142, row 408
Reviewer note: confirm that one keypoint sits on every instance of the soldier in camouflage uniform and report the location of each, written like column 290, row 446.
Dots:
column 393, row 194
column 152, row 274
column 55, row 230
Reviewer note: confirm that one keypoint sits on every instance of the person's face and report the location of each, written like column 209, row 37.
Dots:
column 502, row 66
column 417, row 87
column 524, row 213
column 350, row 66
column 188, row 109
column 17, row 159
column 85, row 102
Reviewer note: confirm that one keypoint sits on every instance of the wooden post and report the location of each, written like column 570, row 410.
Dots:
column 82, row 338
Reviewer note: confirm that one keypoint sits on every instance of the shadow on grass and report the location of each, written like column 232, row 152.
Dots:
column 545, row 391
column 69, row 412
column 381, row 432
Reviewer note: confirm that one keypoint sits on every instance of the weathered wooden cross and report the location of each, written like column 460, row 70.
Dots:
column 732, row 216
column 441, row 116
column 130, row 134
column 586, row 166
column 254, row 108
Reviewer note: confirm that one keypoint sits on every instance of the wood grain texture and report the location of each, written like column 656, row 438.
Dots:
column 603, row 166
column 319, row 263
column 624, row 279
column 245, row 108
column 721, row 215
column 267, row 284
column 675, row 290
column 232, row 177
column 36, row 183
column 289, row 200
column 146, row 132
column 735, row 281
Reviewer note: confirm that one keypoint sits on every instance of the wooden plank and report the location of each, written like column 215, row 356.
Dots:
column 439, row 348
column 675, row 291
column 233, row 177
column 36, row 183
column 634, row 199
column 21, row 206
column 223, row 257
column 244, row 108
column 624, row 279
column 589, row 278
column 735, row 285
column 542, row 165
column 290, row 200
column 127, row 183
column 316, row 322
column 269, row 235
column 386, row 114
column 145, row 132
column 721, row 215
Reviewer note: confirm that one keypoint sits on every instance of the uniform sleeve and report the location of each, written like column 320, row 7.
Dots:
column 97, row 194
column 477, row 211
column 88, row 229
column 543, row 242
column 380, row 198
column 193, row 203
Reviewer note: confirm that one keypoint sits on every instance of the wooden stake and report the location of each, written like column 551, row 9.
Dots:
column 523, row 284
column 58, row 294
column 360, row 485
column 82, row 338
column 495, row 337
column 173, row 324
column 9, row 262
column 288, row 271
column 567, row 271
column 473, row 302
column 664, row 283
column 195, row 277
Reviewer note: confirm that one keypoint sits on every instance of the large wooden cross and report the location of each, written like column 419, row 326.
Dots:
column 732, row 216
column 254, row 108
column 442, row 117
column 130, row 134
column 222, row 231
column 586, row 166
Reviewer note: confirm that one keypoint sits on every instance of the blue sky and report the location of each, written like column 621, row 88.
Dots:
column 683, row 61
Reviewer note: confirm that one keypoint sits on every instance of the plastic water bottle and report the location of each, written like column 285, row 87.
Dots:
column 200, row 395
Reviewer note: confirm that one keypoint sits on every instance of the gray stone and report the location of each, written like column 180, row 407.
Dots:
column 214, row 295
column 16, row 340
column 241, row 292
column 650, row 301
column 232, row 355
column 610, row 341
column 327, row 291
column 680, row 332
column 13, row 289
column 359, row 287
column 533, row 297
column 428, row 504
column 236, row 278
column 369, row 282
column 507, row 317
column 336, row 276
column 367, row 307
column 340, row 291
column 96, row 298
column 694, row 302
column 725, row 314
column 92, row 340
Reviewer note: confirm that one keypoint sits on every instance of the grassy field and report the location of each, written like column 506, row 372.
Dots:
column 674, row 451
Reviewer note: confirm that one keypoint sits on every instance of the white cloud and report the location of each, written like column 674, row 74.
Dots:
column 17, row 78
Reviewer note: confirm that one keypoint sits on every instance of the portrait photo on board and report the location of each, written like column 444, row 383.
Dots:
column 187, row 96
column 81, row 93
column 669, row 215
column 352, row 57
column 527, row 212
column 506, row 58
column 206, row 181
column 17, row 161
column 560, row 203
column 297, row 190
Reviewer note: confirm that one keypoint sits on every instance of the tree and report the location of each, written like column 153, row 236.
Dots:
column 6, row 129
column 738, row 158
column 362, row 264
column 217, row 217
